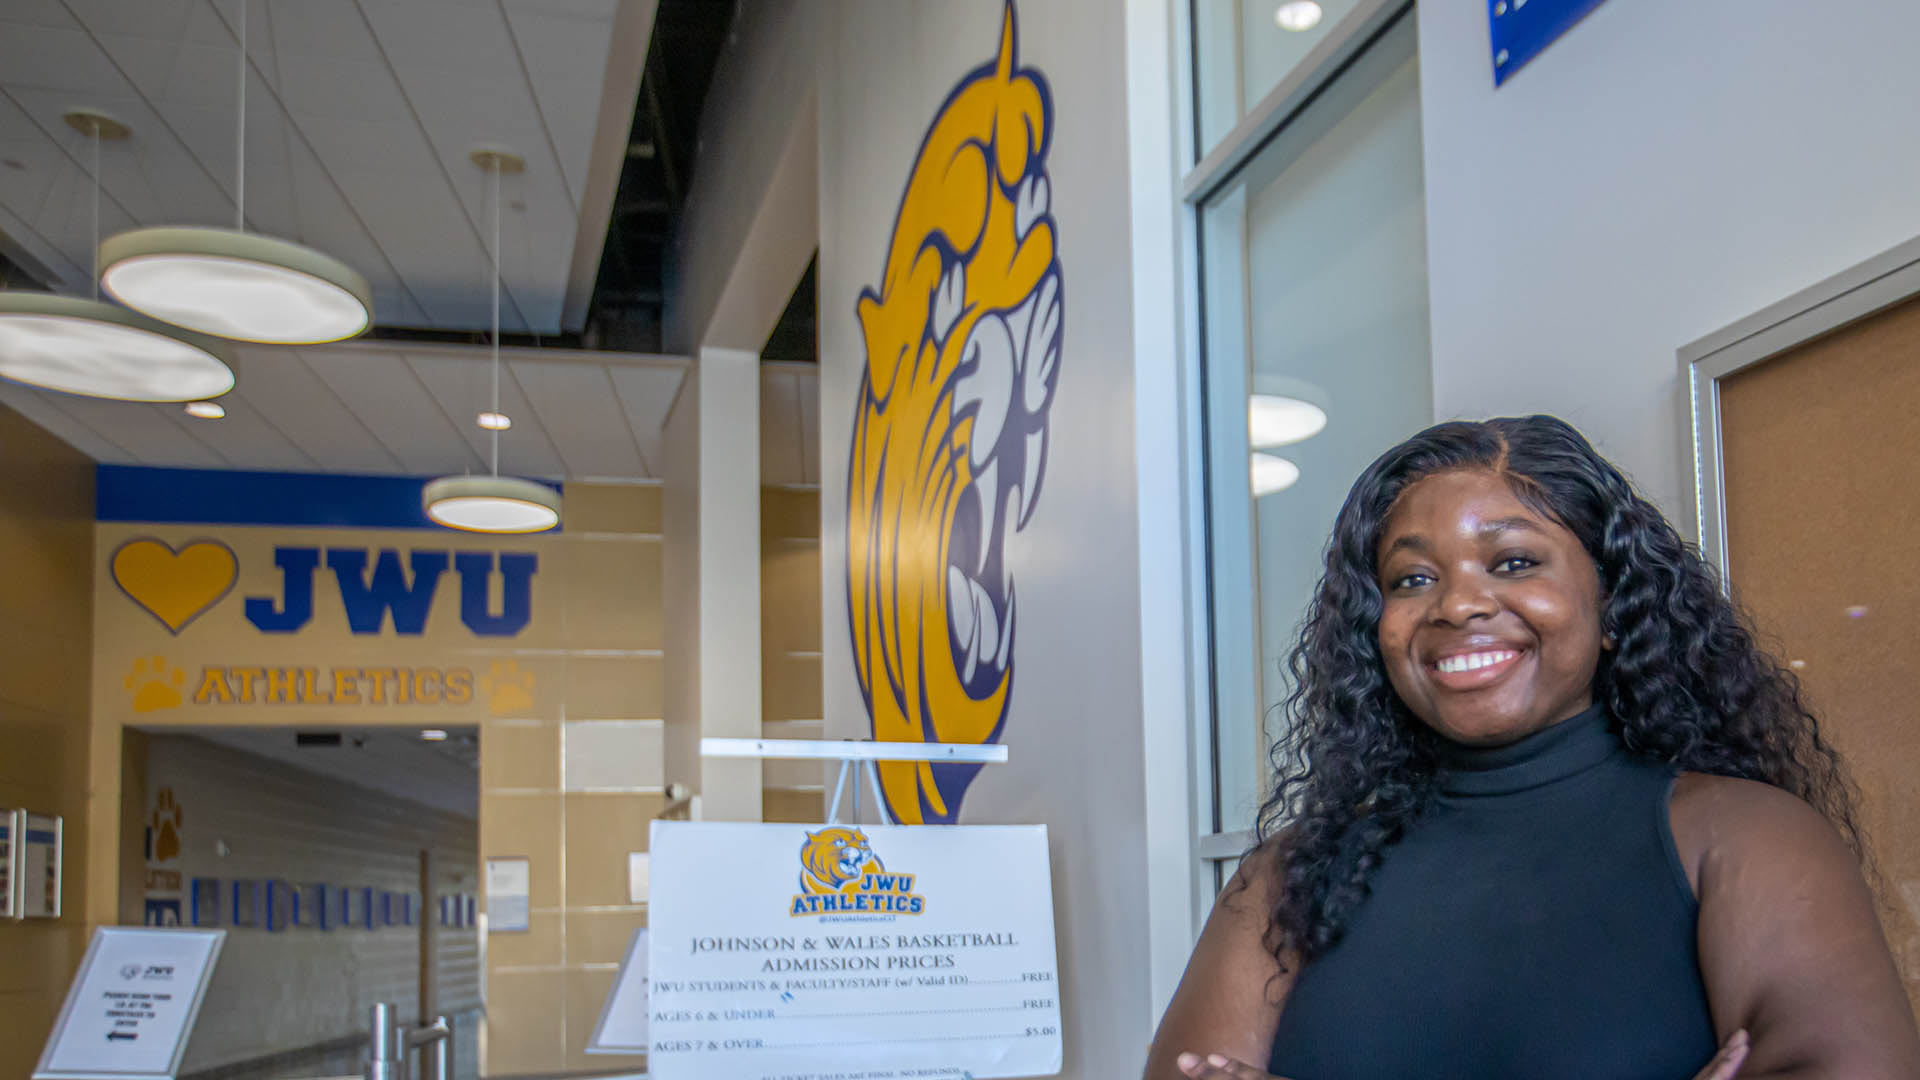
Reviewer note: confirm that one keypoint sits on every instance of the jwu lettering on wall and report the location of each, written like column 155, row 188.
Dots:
column 201, row 621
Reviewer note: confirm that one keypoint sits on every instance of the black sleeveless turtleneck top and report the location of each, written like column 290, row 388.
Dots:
column 1535, row 922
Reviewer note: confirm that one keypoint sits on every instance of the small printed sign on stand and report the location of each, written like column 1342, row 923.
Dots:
column 623, row 1019
column 132, row 1005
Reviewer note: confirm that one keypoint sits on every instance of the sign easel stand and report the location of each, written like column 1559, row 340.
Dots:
column 858, row 759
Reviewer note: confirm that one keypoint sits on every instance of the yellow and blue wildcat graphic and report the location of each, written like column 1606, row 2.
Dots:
column 949, row 441
column 840, row 874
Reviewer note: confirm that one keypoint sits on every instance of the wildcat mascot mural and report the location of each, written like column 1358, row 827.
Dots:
column 963, row 338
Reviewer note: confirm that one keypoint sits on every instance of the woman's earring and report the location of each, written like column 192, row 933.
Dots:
column 1607, row 642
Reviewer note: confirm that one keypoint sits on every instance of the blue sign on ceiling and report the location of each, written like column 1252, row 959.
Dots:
column 1522, row 29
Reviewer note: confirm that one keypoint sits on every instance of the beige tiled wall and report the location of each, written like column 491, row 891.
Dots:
column 790, row 624
column 575, row 791
column 46, row 610
column 576, row 825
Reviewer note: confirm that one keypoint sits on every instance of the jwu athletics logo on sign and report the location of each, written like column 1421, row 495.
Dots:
column 840, row 875
column 378, row 589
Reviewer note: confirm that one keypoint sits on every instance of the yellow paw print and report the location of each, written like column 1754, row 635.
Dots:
column 166, row 822
column 155, row 684
column 509, row 689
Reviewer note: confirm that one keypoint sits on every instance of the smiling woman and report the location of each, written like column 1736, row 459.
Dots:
column 1544, row 809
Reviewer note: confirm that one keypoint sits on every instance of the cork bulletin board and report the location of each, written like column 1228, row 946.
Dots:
column 1823, row 542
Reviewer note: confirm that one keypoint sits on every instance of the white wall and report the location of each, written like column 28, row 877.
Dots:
column 1664, row 169
column 680, row 584
column 1074, row 728
column 711, row 561
column 280, row 991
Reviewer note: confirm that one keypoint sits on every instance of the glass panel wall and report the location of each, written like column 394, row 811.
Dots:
column 1316, row 359
column 1245, row 47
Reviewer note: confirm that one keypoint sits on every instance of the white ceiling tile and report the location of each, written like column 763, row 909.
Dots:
column 536, row 241
column 463, row 385
column 36, row 249
column 646, row 393
column 32, row 168
column 246, row 438
column 310, row 86
column 566, row 58
column 394, row 306
column 592, row 10
column 464, row 108
column 45, row 58
column 37, row 13
column 391, row 147
column 432, row 246
column 333, row 29
column 577, row 406
column 386, row 397
column 438, row 35
column 178, row 187
column 147, row 63
column 184, row 21
column 377, row 407
column 153, row 159
column 285, row 391
column 40, row 408
column 145, row 431
column 353, row 171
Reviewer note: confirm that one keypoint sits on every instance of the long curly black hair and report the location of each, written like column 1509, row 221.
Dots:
column 1684, row 684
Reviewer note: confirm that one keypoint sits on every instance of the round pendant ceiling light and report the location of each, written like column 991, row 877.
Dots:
column 81, row 346
column 233, row 283
column 86, row 347
column 1298, row 15
column 1272, row 473
column 237, row 285
column 495, row 503
column 1282, row 410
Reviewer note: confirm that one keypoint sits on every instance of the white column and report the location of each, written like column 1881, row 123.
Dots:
column 712, row 587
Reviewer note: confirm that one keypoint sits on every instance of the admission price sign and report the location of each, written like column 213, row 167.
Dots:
column 132, row 1005
column 788, row 952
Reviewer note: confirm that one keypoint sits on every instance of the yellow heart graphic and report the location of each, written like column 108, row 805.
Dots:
column 175, row 587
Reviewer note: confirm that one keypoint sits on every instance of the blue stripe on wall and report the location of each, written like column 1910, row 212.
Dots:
column 226, row 497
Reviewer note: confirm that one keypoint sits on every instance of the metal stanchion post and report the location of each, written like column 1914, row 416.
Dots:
column 436, row 1039
column 387, row 1056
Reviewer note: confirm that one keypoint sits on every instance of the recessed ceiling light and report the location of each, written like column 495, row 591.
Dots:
column 1272, row 473
column 1857, row 611
column 1797, row 665
column 433, row 735
column 494, row 421
column 1297, row 15
column 206, row 410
